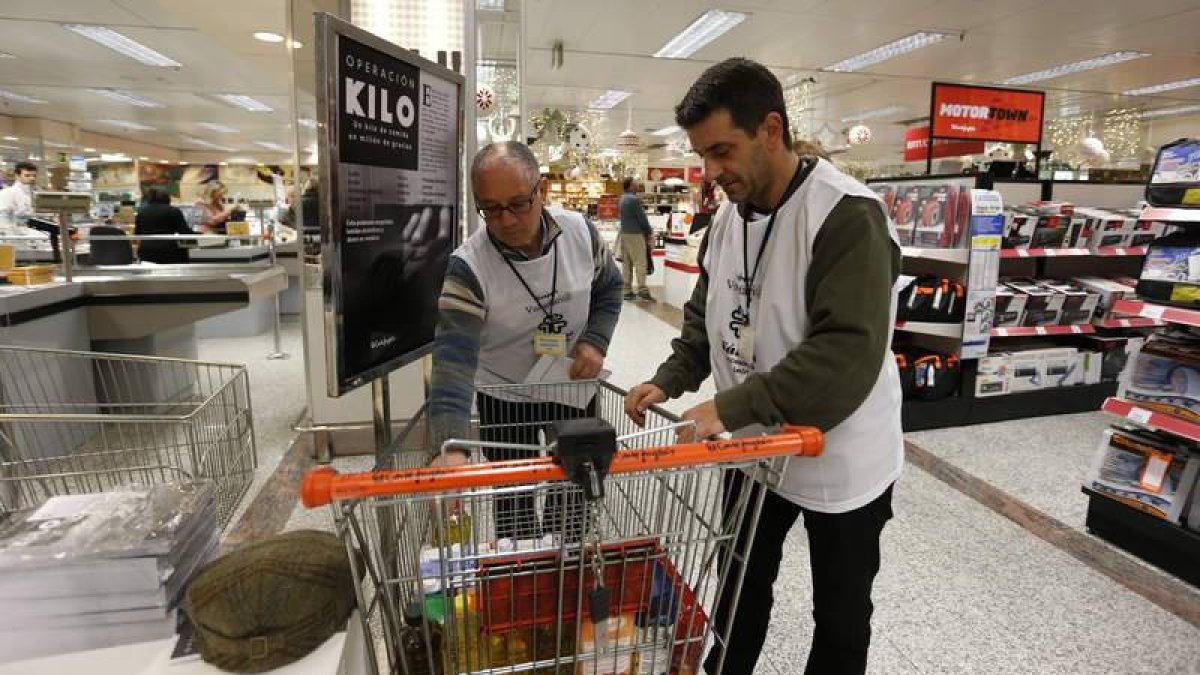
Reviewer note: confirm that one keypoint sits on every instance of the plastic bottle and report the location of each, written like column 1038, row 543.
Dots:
column 422, row 658
column 456, row 529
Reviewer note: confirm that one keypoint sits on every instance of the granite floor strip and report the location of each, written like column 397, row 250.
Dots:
column 669, row 313
column 273, row 505
column 1164, row 590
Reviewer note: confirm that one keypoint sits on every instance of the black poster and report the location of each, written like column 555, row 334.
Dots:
column 394, row 216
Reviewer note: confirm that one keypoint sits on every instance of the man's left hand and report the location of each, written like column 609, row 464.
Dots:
column 588, row 361
column 708, row 422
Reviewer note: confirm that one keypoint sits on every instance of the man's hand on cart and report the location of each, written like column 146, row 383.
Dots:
column 448, row 457
column 588, row 361
column 707, row 422
column 640, row 398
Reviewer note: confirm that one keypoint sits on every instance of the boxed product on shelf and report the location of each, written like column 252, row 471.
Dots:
column 1171, row 271
column 1110, row 229
column 1165, row 376
column 1061, row 368
column 1142, row 232
column 1091, row 366
column 1107, row 291
column 1149, row 471
column 930, row 298
column 1050, row 231
column 1193, row 517
column 1010, row 307
column 1018, row 228
column 1043, row 307
column 1113, row 351
column 1025, row 372
column 904, row 213
column 1032, row 368
column 1078, row 304
column 991, row 375
column 927, row 375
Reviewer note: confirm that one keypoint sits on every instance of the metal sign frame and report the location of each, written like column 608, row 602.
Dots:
column 932, row 107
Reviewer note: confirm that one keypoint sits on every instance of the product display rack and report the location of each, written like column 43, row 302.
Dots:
column 964, row 408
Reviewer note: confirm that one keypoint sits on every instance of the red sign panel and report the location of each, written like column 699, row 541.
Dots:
column 695, row 175
column 916, row 146
column 663, row 173
column 608, row 207
column 986, row 113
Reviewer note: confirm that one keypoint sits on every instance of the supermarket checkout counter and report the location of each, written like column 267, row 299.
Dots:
column 134, row 309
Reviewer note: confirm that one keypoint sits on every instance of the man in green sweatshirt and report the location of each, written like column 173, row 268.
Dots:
column 792, row 316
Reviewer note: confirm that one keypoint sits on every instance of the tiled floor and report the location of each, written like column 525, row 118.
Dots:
column 962, row 589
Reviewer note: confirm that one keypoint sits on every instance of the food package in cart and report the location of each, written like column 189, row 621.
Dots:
column 600, row 644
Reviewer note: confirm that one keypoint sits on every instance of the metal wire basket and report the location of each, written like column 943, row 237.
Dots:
column 76, row 422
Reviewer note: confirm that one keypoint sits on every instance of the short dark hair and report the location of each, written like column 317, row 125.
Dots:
column 157, row 196
column 627, row 184
column 743, row 87
column 25, row 166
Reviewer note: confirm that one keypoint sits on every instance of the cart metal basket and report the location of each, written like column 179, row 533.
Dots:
column 510, row 567
column 75, row 422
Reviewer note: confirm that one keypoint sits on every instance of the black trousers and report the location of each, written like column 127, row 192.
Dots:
column 844, row 554
column 503, row 421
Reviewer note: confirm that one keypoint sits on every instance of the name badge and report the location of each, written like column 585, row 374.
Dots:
column 549, row 344
column 746, row 343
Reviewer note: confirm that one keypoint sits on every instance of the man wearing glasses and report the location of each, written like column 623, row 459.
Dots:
column 529, row 285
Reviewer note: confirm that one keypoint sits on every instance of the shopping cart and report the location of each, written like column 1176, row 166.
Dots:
column 620, row 574
column 76, row 422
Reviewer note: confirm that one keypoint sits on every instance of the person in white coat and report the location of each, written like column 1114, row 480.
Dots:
column 16, row 200
column 792, row 316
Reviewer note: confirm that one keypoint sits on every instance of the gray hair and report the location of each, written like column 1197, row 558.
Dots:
column 512, row 152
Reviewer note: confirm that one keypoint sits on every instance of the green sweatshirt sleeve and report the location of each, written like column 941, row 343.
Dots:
column 689, row 364
column 848, row 292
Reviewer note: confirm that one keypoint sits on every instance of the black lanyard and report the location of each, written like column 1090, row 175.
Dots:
column 553, row 282
column 802, row 171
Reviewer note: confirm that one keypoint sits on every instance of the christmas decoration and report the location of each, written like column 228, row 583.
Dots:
column 485, row 100
column 859, row 134
column 1122, row 135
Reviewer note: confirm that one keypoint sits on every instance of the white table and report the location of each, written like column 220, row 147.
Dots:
column 342, row 654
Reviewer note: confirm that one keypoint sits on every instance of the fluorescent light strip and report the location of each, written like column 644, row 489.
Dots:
column 206, row 144
column 307, row 122
column 119, row 43
column 711, row 25
column 271, row 146
column 9, row 147
column 1104, row 61
column 19, row 98
column 1167, row 112
column 245, row 103
column 6, row 55
column 55, row 144
column 219, row 128
column 126, row 124
column 1166, row 86
column 609, row 99
column 875, row 114
column 667, row 131
column 126, row 97
column 890, row 50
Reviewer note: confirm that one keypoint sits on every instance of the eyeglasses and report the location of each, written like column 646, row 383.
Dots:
column 517, row 207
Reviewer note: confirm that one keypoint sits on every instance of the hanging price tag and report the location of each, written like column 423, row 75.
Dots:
column 1155, row 474
column 1139, row 415
column 1153, row 311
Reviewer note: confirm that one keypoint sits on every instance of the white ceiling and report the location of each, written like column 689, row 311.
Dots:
column 607, row 46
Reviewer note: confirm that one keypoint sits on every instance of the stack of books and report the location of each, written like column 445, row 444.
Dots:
column 97, row 570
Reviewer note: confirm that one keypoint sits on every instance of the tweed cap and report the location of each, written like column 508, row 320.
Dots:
column 272, row 602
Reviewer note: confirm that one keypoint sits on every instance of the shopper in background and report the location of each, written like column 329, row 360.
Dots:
column 793, row 316
column 157, row 216
column 16, row 200
column 533, row 282
column 635, row 240
column 211, row 207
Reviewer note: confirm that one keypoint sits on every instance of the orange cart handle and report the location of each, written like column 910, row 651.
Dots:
column 325, row 485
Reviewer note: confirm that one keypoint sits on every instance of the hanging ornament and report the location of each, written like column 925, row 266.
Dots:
column 998, row 151
column 503, row 128
column 485, row 100
column 579, row 139
column 628, row 140
column 859, row 134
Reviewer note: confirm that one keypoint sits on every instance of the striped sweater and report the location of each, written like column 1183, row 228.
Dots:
column 463, row 309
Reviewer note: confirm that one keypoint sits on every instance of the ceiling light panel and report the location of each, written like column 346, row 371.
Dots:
column 667, row 131
column 245, row 103
column 890, row 50
column 126, row 124
column 271, row 146
column 1072, row 68
column 206, row 144
column 711, row 25
column 124, row 45
column 19, row 98
column 219, row 128
column 267, row 36
column 1166, row 86
column 889, row 111
column 609, row 99
column 307, row 122
column 126, row 97
column 1168, row 112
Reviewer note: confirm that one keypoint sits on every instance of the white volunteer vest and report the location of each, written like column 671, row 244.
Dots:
column 506, row 347
column 864, row 454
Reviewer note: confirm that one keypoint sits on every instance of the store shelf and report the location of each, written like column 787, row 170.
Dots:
column 1039, row 331
column 964, row 410
column 1136, row 322
column 1151, row 419
column 951, row 255
column 1159, row 542
column 1164, row 215
column 1106, row 252
column 1149, row 310
column 946, row 330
